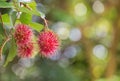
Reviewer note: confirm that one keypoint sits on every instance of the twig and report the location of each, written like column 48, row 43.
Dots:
column 3, row 44
column 25, row 5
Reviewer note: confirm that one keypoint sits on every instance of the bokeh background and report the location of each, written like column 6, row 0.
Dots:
column 89, row 31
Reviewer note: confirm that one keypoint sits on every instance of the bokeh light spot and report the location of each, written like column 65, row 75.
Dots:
column 100, row 52
column 80, row 9
column 62, row 30
column 98, row 7
column 70, row 52
column 75, row 34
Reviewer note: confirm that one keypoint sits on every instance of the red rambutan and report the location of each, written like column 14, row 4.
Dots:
column 48, row 43
column 23, row 34
column 26, row 50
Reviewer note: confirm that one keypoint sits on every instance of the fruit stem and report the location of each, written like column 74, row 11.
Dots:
column 46, row 24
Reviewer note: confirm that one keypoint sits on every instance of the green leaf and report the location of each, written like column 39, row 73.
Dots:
column 1, row 36
column 3, row 0
column 6, row 19
column 12, row 52
column 1, row 29
column 25, row 10
column 5, row 5
column 13, row 17
column 33, row 6
column 25, row 18
column 36, row 26
column 32, row 12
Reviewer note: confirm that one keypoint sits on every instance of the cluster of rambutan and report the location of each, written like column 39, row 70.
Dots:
column 23, row 36
column 48, row 41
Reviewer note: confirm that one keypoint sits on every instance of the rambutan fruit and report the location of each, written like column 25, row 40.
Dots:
column 23, row 34
column 26, row 50
column 48, row 43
